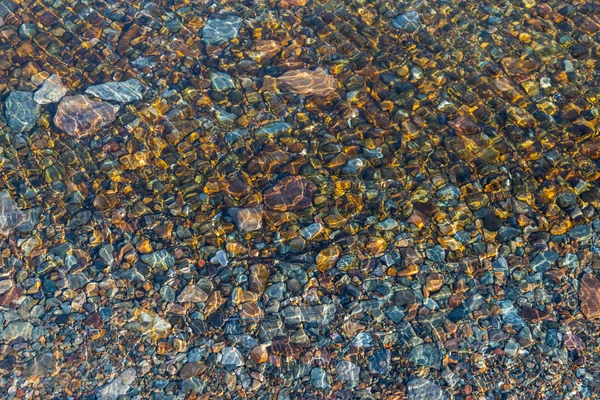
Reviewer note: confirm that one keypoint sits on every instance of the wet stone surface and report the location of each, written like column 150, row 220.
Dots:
column 80, row 116
column 299, row 199
column 21, row 111
column 123, row 92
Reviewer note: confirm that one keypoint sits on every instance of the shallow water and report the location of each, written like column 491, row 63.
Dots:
column 295, row 199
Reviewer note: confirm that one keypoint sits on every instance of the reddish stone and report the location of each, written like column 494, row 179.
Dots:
column 463, row 126
column 80, row 116
column 95, row 320
column 309, row 83
column 292, row 193
column 12, row 294
column 573, row 342
column 535, row 315
column 281, row 346
column 589, row 296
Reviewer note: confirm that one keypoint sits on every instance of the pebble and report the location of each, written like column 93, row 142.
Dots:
column 318, row 378
column 426, row 355
column 220, row 29
column 51, row 91
column 231, row 357
column 118, row 386
column 159, row 259
column 423, row 389
column 348, row 373
column 10, row 215
column 246, row 219
column 17, row 329
column 410, row 21
column 123, row 92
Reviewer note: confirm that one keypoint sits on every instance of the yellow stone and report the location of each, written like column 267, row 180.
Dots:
column 327, row 258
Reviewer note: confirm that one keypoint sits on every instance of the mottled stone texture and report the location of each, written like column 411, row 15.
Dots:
column 124, row 92
column 309, row 83
column 80, row 116
column 589, row 296
column 21, row 111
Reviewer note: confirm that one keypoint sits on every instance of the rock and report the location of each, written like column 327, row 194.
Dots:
column 423, row 389
column 21, row 111
column 448, row 195
column 281, row 346
column 10, row 215
column 273, row 129
column 17, row 329
column 41, row 366
column 404, row 297
column 327, row 258
column 436, row 254
column 426, row 354
column 395, row 314
column 246, row 219
column 160, row 258
column 52, row 91
column 318, row 378
column 581, row 233
column 380, row 362
column 193, row 384
column 192, row 293
column 409, row 21
column 258, row 279
column 7, row 7
column 221, row 81
column 311, row 231
column 264, row 49
column 191, row 369
column 543, row 261
column 292, row 193
column 507, row 233
column 119, row 386
column 348, row 373
column 292, row 3
column 354, row 166
column 323, row 314
column 221, row 29
column 151, row 324
column 458, row 314
column 124, row 92
column 589, row 296
column 259, row 354
column 231, row 357
column 363, row 339
column 309, row 83
column 80, row 116
column 220, row 258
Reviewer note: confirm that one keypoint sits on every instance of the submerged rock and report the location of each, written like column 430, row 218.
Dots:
column 423, row 389
column 246, row 219
column 124, row 92
column 17, row 329
column 10, row 215
column 231, row 357
column 309, row 83
column 220, row 29
column 409, row 21
column 51, row 91
column 21, row 111
column 292, row 193
column 118, row 387
column 589, row 296
column 80, row 116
